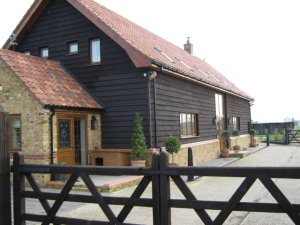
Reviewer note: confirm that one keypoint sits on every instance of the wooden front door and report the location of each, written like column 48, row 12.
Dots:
column 65, row 140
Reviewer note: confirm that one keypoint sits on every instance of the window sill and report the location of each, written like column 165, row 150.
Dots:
column 189, row 137
column 95, row 64
column 71, row 54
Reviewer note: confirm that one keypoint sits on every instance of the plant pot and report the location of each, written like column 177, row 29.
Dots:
column 236, row 148
column 253, row 143
column 224, row 153
column 138, row 163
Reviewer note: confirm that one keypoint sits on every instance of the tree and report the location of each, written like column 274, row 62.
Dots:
column 139, row 147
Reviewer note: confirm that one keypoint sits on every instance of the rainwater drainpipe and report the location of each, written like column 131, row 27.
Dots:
column 152, row 77
column 52, row 110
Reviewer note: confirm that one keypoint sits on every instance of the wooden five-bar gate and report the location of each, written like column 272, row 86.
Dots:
column 161, row 202
column 293, row 136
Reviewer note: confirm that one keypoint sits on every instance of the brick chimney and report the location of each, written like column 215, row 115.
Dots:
column 188, row 46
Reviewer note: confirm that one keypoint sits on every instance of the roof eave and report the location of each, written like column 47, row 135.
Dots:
column 27, row 21
column 50, row 106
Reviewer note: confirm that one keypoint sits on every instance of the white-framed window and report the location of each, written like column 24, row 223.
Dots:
column 73, row 48
column 95, row 51
column 15, row 140
column 220, row 118
column 44, row 52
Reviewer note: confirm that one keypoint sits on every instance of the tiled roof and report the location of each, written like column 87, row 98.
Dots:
column 147, row 44
column 141, row 45
column 48, row 81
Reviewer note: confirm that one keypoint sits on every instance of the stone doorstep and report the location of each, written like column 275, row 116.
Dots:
column 109, row 187
column 240, row 154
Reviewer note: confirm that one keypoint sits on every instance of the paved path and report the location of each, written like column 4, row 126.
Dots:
column 214, row 188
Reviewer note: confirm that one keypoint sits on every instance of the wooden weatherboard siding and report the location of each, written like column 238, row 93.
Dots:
column 175, row 96
column 239, row 108
column 120, row 87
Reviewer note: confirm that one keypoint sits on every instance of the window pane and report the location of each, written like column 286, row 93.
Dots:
column 195, row 125
column 73, row 47
column 64, row 136
column 16, row 133
column 44, row 52
column 95, row 51
column 188, row 124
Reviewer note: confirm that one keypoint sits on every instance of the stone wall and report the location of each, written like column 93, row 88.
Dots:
column 202, row 151
column 242, row 140
column 16, row 100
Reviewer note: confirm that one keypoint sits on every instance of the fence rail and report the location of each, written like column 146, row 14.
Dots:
column 161, row 202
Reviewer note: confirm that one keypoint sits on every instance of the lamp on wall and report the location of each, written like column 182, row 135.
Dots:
column 214, row 121
column 94, row 123
column 230, row 120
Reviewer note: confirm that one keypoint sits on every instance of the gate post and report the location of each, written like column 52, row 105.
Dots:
column 156, row 189
column 5, row 198
column 165, row 211
column 18, row 187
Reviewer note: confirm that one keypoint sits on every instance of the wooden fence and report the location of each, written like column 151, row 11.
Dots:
column 160, row 202
column 159, row 175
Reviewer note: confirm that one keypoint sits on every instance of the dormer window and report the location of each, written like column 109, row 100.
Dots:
column 95, row 51
column 165, row 55
column 73, row 48
column 44, row 52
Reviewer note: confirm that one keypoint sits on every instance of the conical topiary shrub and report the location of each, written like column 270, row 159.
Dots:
column 139, row 147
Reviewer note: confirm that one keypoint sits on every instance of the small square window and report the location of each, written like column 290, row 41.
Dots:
column 44, row 52
column 95, row 51
column 73, row 48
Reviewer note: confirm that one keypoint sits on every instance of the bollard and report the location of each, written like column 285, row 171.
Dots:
column 268, row 142
column 190, row 163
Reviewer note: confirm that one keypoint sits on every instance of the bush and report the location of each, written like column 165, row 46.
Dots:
column 139, row 147
column 172, row 145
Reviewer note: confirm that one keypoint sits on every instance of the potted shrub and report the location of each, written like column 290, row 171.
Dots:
column 252, row 138
column 139, row 148
column 236, row 134
column 225, row 135
column 172, row 145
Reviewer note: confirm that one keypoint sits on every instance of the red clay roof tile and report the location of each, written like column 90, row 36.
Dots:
column 48, row 81
column 145, row 43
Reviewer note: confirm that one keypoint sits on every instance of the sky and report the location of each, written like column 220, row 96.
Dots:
column 254, row 43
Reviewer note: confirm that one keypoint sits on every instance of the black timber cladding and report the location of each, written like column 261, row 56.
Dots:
column 175, row 96
column 116, row 82
column 237, row 107
column 120, row 87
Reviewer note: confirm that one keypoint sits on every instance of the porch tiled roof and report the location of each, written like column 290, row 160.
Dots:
column 145, row 43
column 48, row 81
